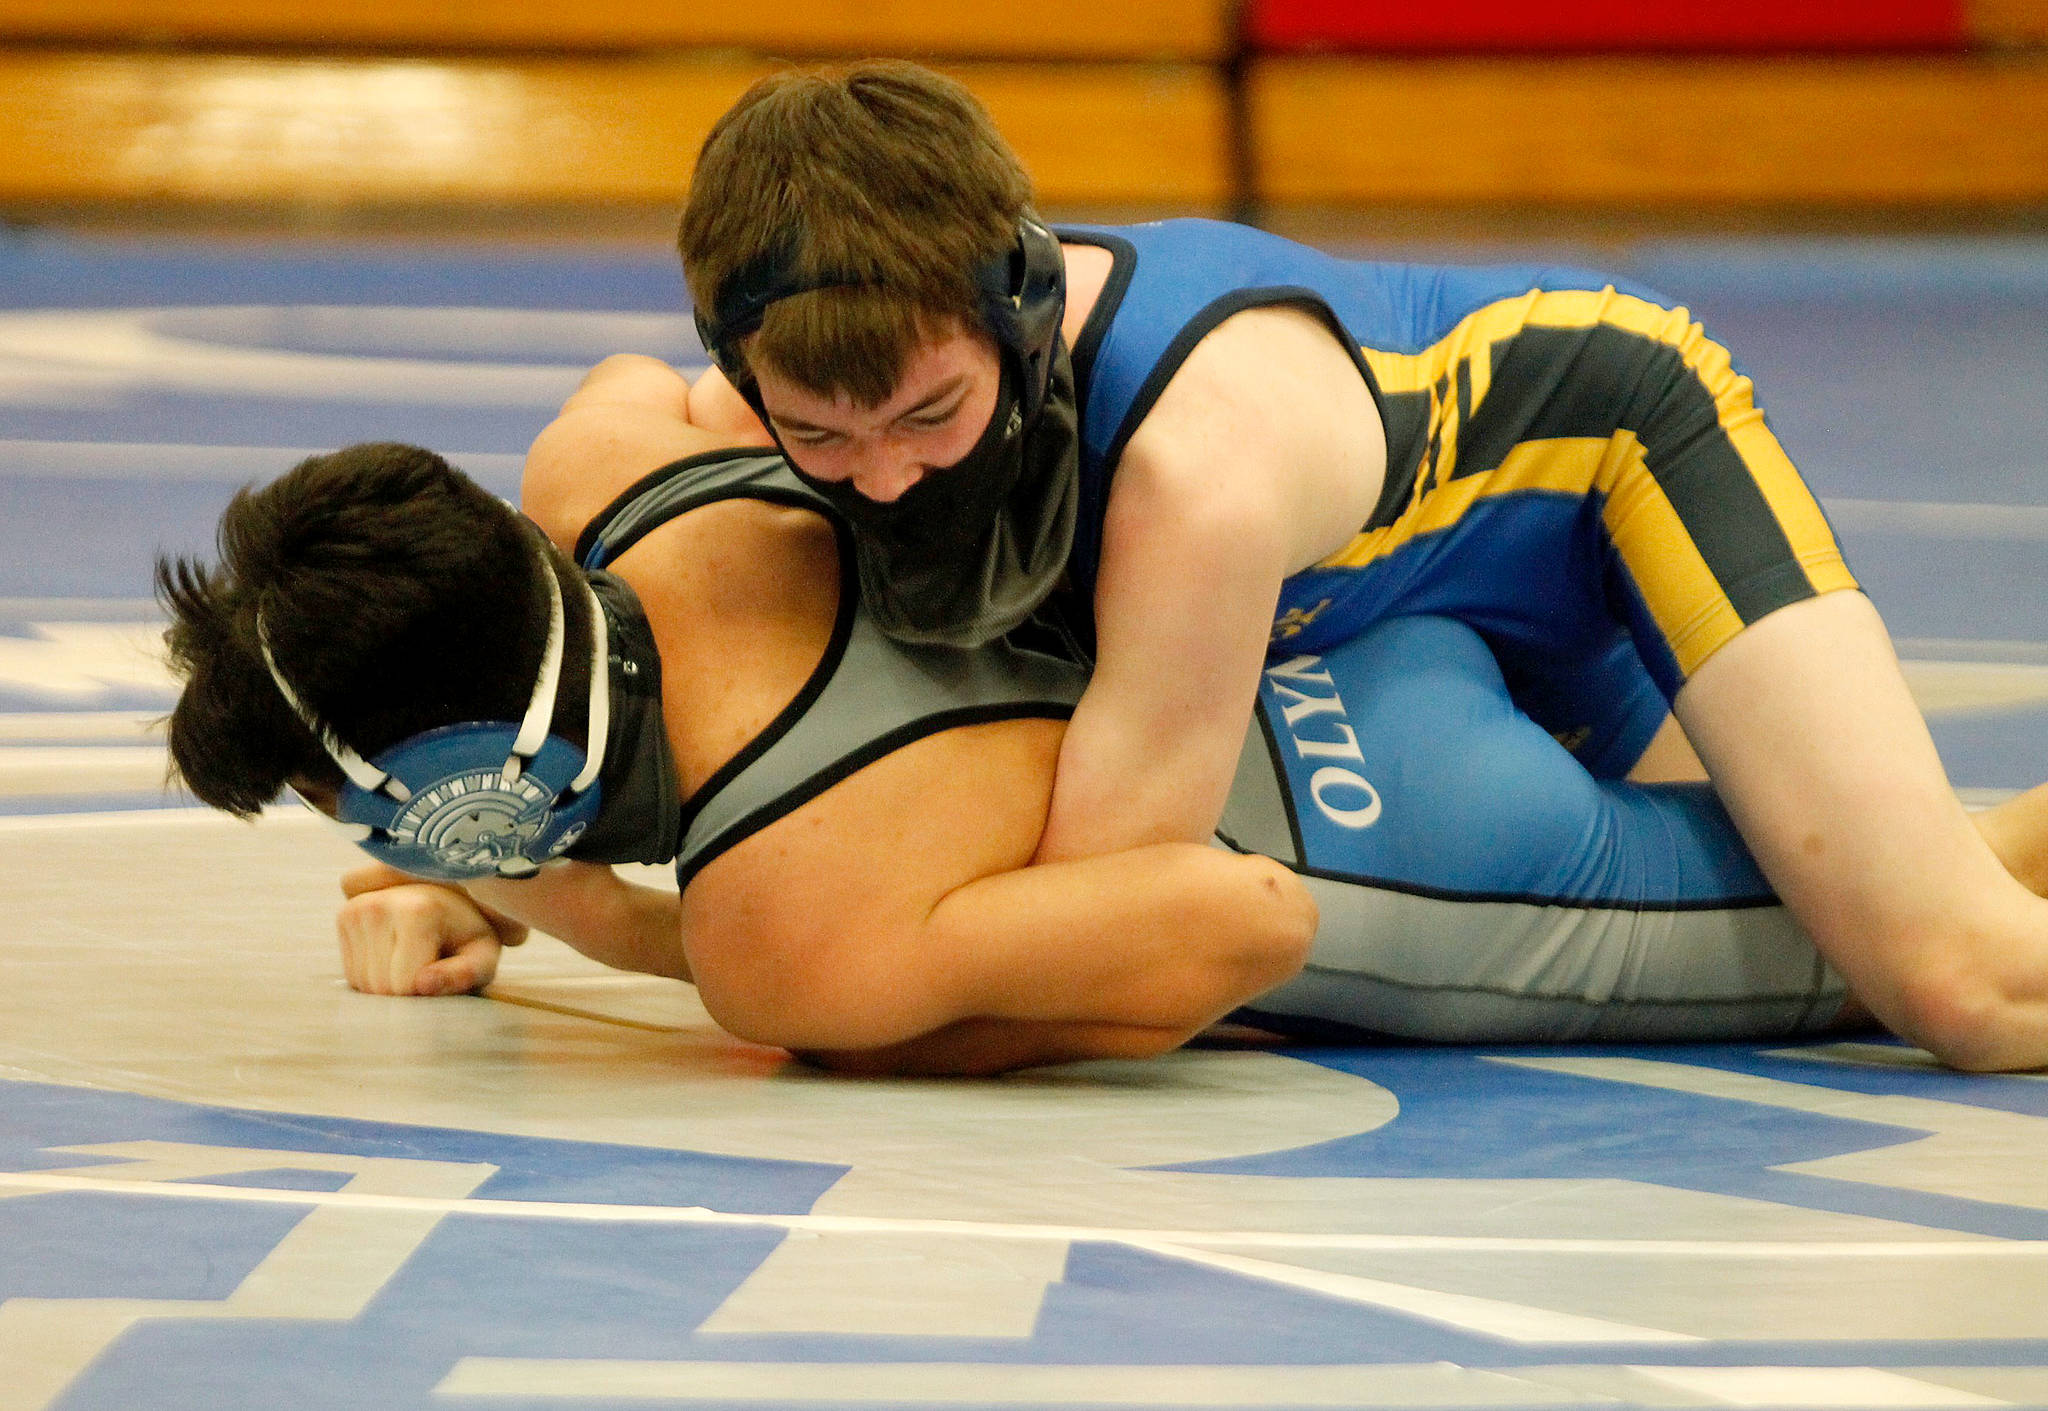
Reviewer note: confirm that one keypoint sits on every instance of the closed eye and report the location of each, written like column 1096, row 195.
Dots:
column 808, row 436
column 930, row 420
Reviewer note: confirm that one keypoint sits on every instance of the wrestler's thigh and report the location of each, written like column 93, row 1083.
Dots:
column 1405, row 759
column 1821, row 756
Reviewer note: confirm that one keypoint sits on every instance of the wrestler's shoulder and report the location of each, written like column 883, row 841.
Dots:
column 739, row 545
column 1274, row 391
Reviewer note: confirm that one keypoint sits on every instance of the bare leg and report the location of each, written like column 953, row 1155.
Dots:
column 1669, row 758
column 1819, row 753
column 2017, row 829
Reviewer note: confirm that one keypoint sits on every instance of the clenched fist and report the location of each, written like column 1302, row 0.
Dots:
column 402, row 936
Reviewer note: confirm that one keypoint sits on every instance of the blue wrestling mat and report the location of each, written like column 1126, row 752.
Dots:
column 229, row 1184
column 1717, row 1226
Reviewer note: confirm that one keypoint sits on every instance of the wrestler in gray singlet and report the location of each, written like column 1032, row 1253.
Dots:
column 1476, row 884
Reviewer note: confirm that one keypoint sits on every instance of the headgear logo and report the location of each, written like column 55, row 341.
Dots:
column 477, row 820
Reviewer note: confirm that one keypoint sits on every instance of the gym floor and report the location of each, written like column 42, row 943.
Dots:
column 227, row 1181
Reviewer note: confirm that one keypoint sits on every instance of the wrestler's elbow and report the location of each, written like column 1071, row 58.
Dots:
column 562, row 485
column 716, row 405
column 1259, row 937
column 1281, row 926
column 980, row 1048
column 633, row 377
column 757, row 1011
column 827, row 1007
column 1967, row 1020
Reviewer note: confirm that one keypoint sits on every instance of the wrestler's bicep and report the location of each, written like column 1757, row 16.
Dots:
column 813, row 931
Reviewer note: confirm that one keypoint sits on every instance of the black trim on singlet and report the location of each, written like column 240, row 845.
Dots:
column 1279, row 767
column 843, row 613
column 814, row 686
column 1123, row 264
column 587, row 540
column 1411, row 444
column 1583, row 1001
column 1337, row 1029
column 1590, row 382
column 1419, row 889
column 1204, row 323
column 1464, row 392
column 1307, row 1029
column 881, row 746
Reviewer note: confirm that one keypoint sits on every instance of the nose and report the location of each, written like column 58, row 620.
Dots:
column 884, row 475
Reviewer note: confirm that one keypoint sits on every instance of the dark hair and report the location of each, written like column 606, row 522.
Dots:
column 396, row 594
column 882, row 171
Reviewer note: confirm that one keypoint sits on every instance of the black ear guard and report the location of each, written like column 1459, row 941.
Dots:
column 1023, row 300
column 766, row 279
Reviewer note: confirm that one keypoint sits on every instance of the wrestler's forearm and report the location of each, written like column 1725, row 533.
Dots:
column 1169, row 936
column 1137, row 772
column 1183, row 611
column 596, row 912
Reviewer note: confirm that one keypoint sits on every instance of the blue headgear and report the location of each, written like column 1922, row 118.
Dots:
column 483, row 798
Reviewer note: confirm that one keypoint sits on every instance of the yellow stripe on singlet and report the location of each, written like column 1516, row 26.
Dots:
column 1689, row 605
column 1683, row 597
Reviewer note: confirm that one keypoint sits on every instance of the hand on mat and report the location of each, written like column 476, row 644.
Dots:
column 400, row 936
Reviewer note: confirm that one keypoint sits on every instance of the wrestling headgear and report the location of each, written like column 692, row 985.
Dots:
column 482, row 798
column 1023, row 298
column 968, row 552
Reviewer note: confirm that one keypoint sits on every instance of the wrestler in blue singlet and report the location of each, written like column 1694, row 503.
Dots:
column 1574, row 469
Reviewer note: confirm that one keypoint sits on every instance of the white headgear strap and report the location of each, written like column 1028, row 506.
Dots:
column 533, row 727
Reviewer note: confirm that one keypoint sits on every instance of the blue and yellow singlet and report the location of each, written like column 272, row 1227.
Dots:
column 1574, row 468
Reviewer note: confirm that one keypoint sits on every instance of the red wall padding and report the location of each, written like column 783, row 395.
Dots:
column 1454, row 25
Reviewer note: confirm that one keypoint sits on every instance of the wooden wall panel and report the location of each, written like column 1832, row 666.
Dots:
column 1658, row 132
column 89, row 127
column 1138, row 29
column 1151, row 135
column 2008, row 22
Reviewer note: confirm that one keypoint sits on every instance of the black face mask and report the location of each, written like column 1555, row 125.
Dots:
column 641, row 816
column 969, row 551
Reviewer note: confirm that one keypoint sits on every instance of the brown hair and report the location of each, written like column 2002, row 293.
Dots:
column 884, row 172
